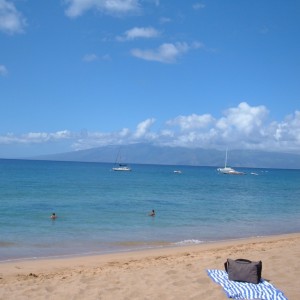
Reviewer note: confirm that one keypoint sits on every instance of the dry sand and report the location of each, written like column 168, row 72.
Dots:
column 169, row 273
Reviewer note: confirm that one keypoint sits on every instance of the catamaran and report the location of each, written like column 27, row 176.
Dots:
column 229, row 170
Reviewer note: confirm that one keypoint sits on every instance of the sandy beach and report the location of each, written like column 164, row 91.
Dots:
column 168, row 273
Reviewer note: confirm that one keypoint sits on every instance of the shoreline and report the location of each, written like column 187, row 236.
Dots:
column 163, row 245
column 167, row 245
column 167, row 272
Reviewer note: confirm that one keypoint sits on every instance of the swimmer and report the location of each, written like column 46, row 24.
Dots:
column 152, row 213
column 53, row 216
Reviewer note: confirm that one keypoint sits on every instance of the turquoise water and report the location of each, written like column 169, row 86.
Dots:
column 102, row 211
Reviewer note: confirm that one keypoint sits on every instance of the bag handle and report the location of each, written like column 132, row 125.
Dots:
column 237, row 260
column 243, row 260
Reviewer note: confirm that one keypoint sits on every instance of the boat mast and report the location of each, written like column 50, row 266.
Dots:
column 118, row 157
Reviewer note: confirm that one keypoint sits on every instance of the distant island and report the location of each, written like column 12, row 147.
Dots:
column 163, row 155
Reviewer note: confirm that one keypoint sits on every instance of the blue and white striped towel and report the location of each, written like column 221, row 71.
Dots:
column 243, row 290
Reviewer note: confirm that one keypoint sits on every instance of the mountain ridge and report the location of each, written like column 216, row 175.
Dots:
column 165, row 155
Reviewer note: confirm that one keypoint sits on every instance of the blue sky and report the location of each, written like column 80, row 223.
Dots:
column 77, row 74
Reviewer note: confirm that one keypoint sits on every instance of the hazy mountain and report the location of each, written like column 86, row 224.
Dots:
column 149, row 154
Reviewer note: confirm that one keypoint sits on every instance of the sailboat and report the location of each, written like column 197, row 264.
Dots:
column 120, row 166
column 229, row 170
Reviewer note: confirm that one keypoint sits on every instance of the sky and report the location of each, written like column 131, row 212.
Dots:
column 214, row 74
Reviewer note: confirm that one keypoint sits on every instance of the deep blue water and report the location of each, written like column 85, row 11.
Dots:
column 101, row 211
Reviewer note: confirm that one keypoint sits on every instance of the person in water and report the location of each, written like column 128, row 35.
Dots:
column 53, row 216
column 152, row 213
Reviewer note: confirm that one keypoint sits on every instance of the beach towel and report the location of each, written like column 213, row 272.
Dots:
column 244, row 290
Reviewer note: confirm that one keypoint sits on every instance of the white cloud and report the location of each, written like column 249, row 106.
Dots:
column 164, row 20
column 142, row 133
column 288, row 130
column 139, row 32
column 77, row 8
column 244, row 118
column 45, row 137
column 35, row 137
column 166, row 53
column 197, row 6
column 241, row 127
column 90, row 57
column 106, row 57
column 196, row 45
column 3, row 70
column 191, row 122
column 142, row 129
column 11, row 20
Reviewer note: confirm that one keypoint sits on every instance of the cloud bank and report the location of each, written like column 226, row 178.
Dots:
column 241, row 127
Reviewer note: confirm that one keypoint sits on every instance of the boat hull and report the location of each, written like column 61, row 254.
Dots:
column 124, row 169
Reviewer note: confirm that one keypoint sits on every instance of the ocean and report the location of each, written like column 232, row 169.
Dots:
column 102, row 211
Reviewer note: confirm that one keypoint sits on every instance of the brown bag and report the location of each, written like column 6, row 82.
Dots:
column 243, row 270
